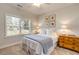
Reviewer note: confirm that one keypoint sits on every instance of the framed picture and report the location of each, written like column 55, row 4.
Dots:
column 50, row 21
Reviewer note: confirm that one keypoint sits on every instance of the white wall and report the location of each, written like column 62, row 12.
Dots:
column 44, row 29
column 5, row 10
column 68, row 14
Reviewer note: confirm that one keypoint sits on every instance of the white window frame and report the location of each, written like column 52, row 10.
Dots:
column 19, row 26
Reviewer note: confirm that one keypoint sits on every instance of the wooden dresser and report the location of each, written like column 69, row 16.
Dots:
column 69, row 42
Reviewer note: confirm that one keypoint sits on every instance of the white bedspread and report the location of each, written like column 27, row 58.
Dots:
column 37, row 47
column 45, row 42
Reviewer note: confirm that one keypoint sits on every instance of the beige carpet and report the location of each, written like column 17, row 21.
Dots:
column 63, row 51
column 16, row 50
column 13, row 50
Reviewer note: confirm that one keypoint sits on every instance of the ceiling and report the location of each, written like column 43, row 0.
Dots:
column 44, row 8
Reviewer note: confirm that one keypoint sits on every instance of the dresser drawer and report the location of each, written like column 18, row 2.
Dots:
column 66, row 41
column 69, row 42
column 68, row 46
column 76, row 44
column 61, row 40
column 76, row 41
column 70, row 39
column 61, row 44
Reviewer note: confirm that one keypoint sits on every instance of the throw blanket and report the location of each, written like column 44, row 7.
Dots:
column 46, row 42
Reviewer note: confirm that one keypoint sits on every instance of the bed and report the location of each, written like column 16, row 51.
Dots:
column 40, row 44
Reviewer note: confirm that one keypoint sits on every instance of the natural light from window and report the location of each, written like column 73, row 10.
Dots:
column 16, row 26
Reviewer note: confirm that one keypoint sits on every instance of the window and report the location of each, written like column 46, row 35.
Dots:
column 25, row 27
column 15, row 26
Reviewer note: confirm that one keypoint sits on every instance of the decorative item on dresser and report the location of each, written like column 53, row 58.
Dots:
column 69, row 41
